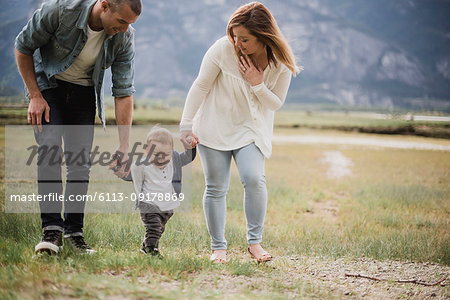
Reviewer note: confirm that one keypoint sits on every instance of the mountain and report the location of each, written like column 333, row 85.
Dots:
column 380, row 53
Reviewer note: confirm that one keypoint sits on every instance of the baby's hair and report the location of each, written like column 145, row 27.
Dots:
column 161, row 135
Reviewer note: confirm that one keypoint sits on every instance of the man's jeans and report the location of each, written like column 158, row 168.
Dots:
column 71, row 105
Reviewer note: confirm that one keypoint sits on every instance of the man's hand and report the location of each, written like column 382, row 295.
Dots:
column 189, row 140
column 120, row 164
column 36, row 108
column 38, row 105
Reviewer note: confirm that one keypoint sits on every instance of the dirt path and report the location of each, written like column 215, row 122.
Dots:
column 357, row 141
column 287, row 277
column 298, row 276
column 339, row 166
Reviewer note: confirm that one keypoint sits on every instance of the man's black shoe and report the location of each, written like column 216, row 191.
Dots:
column 50, row 243
column 76, row 241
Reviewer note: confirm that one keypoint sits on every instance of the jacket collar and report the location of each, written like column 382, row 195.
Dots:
column 85, row 13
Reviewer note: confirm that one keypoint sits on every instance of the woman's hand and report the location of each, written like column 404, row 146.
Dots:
column 189, row 140
column 249, row 71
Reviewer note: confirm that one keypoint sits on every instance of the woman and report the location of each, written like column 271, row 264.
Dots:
column 243, row 79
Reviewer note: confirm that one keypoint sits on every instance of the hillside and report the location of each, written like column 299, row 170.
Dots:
column 355, row 53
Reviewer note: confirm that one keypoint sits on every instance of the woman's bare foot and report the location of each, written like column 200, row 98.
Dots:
column 219, row 256
column 258, row 253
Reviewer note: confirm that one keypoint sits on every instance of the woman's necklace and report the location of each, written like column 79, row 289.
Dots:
column 261, row 61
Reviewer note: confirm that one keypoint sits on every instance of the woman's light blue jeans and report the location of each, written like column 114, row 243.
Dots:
column 216, row 167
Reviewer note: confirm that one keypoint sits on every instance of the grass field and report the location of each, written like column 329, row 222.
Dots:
column 403, row 123
column 394, row 206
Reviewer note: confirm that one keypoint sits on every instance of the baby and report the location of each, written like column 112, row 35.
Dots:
column 157, row 183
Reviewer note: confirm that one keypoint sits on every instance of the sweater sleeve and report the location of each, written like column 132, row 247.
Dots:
column 137, row 172
column 188, row 156
column 273, row 99
column 209, row 70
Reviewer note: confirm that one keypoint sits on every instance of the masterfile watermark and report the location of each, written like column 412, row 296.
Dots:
column 44, row 175
column 52, row 155
column 36, row 197
column 101, row 197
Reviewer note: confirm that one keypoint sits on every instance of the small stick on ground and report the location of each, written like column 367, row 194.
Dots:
column 399, row 281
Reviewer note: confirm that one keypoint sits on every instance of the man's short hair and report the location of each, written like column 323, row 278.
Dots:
column 135, row 5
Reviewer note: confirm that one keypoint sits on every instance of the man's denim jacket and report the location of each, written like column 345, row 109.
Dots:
column 57, row 33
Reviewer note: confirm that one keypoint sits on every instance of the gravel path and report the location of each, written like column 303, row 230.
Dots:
column 330, row 275
column 300, row 276
column 296, row 277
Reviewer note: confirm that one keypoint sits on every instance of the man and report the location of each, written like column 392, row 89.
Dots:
column 62, row 54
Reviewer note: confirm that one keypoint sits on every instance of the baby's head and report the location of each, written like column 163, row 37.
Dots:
column 160, row 143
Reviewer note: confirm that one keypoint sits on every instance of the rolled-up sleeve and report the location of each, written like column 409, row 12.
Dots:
column 122, row 70
column 39, row 28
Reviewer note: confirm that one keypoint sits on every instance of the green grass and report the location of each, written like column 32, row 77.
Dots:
column 294, row 117
column 394, row 206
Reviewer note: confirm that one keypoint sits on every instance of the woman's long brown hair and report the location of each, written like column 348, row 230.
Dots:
column 258, row 20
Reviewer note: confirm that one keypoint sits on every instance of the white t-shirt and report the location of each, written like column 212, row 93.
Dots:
column 155, row 185
column 80, row 72
column 225, row 111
